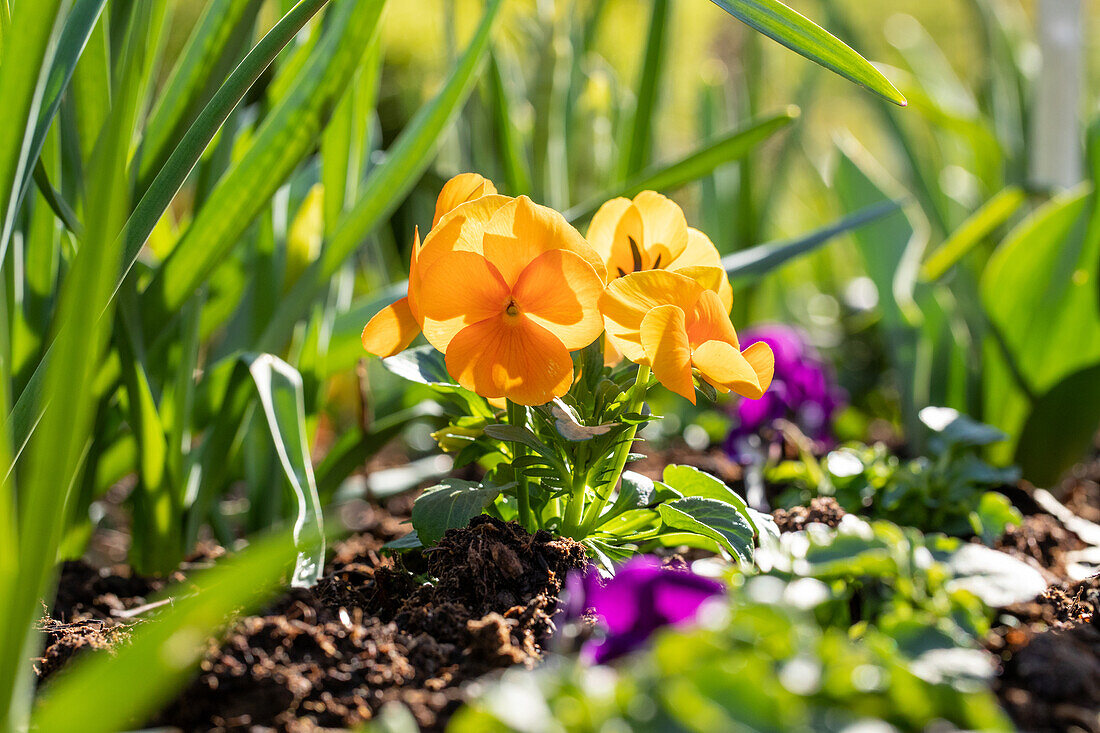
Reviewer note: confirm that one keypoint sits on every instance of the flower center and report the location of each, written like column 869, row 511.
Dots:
column 512, row 309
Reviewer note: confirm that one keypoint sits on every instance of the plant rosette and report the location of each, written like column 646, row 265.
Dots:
column 542, row 345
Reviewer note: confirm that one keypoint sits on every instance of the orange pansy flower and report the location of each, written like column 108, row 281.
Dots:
column 507, row 289
column 394, row 327
column 673, row 322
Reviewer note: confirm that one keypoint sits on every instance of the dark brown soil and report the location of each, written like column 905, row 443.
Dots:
column 371, row 633
column 1050, row 672
column 822, row 509
column 1043, row 542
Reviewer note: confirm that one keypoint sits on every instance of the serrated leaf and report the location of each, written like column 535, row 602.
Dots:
column 450, row 505
column 713, row 519
column 421, row 364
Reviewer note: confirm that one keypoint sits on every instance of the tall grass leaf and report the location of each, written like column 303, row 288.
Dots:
column 283, row 140
column 118, row 691
column 26, row 412
column 972, row 232
column 755, row 261
column 1059, row 427
column 279, row 387
column 800, row 34
column 639, row 140
column 219, row 36
column 732, row 147
column 57, row 451
column 510, row 150
column 28, row 46
column 387, row 184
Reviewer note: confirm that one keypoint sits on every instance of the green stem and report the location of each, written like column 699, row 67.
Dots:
column 622, row 451
column 517, row 416
column 575, row 504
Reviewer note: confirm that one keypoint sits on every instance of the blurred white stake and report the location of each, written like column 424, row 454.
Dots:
column 1056, row 133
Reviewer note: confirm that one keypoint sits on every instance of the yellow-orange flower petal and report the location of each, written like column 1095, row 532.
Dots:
column 561, row 292
column 664, row 339
column 629, row 248
column 626, row 301
column 521, row 230
column 510, row 357
column 460, row 189
column 414, row 275
column 760, row 356
column 723, row 365
column 461, row 229
column 709, row 320
column 391, row 330
column 665, row 226
column 601, row 230
column 701, row 252
column 711, row 278
column 460, row 289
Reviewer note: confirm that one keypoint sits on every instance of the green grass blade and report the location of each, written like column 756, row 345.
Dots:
column 517, row 172
column 981, row 223
column 695, row 165
column 56, row 454
column 639, row 140
column 387, row 185
column 286, row 136
column 24, row 73
column 800, row 34
column 279, row 386
column 762, row 259
column 154, row 202
column 220, row 34
column 56, row 201
column 805, row 37
column 110, row 692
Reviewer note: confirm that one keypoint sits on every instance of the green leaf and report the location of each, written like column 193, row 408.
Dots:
column 793, row 30
column 24, row 75
column 161, row 656
column 973, row 231
column 690, row 481
column 759, row 260
column 1039, row 291
column 410, row 541
column 420, row 364
column 387, row 184
column 279, row 386
column 995, row 512
column 288, row 133
column 695, row 165
column 518, row 434
column 635, row 492
column 636, row 148
column 1060, row 427
column 450, row 505
column 713, row 519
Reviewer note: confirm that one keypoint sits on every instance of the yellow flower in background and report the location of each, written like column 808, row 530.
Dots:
column 507, row 289
column 651, row 233
column 394, row 327
column 673, row 323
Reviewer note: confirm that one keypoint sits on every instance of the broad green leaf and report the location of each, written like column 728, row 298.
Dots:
column 279, row 387
column 798, row 33
column 695, row 165
column 1039, row 292
column 118, row 691
column 450, row 505
column 690, row 481
column 993, row 515
column 635, row 492
column 713, row 519
column 1060, row 427
column 763, row 258
column 980, row 225
column 387, row 184
column 285, row 137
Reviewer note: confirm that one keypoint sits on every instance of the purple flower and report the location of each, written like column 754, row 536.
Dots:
column 641, row 598
column 802, row 391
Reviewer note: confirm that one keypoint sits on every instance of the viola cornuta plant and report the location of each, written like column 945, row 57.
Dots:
column 542, row 345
